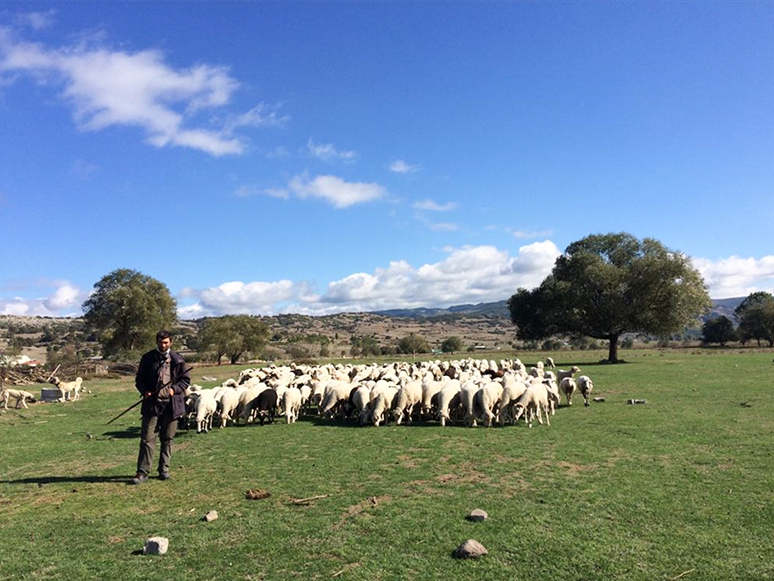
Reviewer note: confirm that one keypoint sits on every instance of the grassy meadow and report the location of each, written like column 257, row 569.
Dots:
column 681, row 487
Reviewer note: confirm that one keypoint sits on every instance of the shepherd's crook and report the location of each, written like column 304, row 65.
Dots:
column 134, row 405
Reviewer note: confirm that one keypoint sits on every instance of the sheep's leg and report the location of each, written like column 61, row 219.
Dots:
column 548, row 421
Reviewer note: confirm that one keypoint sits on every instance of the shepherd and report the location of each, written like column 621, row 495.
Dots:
column 162, row 380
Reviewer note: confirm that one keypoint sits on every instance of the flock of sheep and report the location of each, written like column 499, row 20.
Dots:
column 466, row 391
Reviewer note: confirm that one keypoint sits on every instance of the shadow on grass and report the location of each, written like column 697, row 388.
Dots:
column 41, row 480
column 128, row 433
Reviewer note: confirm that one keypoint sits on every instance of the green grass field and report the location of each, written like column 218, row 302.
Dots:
column 681, row 487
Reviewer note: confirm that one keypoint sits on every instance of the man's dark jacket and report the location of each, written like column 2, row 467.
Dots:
column 148, row 377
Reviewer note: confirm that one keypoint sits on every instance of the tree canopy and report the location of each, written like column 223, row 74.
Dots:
column 605, row 285
column 233, row 336
column 413, row 343
column 126, row 310
column 756, row 318
column 718, row 330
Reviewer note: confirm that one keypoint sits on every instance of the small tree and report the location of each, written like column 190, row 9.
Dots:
column 233, row 336
column 451, row 345
column 718, row 330
column 126, row 310
column 413, row 344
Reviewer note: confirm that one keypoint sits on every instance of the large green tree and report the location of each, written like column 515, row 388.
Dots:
column 605, row 285
column 233, row 336
column 756, row 317
column 126, row 310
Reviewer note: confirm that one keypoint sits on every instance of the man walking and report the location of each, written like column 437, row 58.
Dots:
column 162, row 380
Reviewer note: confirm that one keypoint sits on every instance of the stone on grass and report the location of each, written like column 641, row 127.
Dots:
column 155, row 546
column 477, row 515
column 470, row 549
column 210, row 516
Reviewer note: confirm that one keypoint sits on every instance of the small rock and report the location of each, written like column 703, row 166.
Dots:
column 635, row 401
column 155, row 546
column 470, row 549
column 598, row 399
column 210, row 516
column 478, row 515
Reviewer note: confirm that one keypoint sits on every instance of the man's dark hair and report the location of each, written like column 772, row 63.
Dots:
column 163, row 334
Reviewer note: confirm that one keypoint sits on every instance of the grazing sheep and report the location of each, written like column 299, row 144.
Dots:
column 381, row 404
column 266, row 405
column 67, row 387
column 229, row 401
column 335, row 397
column 486, row 402
column 512, row 391
column 407, row 397
column 206, row 407
column 467, row 395
column 448, row 401
column 550, row 363
column 585, row 385
column 533, row 402
column 21, row 397
column 291, row 404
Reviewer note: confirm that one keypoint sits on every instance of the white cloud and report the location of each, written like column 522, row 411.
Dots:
column 246, row 191
column 736, row 276
column 107, row 88
column 236, row 297
column 467, row 275
column 36, row 20
column 328, row 152
column 400, row 166
column 65, row 301
column 530, row 234
column 432, row 206
column 336, row 191
column 259, row 116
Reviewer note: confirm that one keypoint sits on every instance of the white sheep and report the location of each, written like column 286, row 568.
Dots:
column 568, row 386
column 291, row 403
column 382, row 404
column 467, row 395
column 512, row 390
column 486, row 402
column 448, row 401
column 407, row 397
column 561, row 373
column 335, row 397
column 206, row 406
column 229, row 400
column 585, row 385
column 533, row 402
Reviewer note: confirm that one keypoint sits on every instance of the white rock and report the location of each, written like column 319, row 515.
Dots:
column 478, row 515
column 211, row 516
column 155, row 546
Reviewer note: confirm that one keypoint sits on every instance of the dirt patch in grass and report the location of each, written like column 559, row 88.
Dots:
column 361, row 508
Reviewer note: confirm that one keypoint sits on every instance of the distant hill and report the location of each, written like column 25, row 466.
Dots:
column 500, row 309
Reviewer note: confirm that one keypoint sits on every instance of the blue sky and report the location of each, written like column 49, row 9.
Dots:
column 322, row 157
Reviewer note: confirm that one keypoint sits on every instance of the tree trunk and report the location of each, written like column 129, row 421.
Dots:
column 612, row 354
